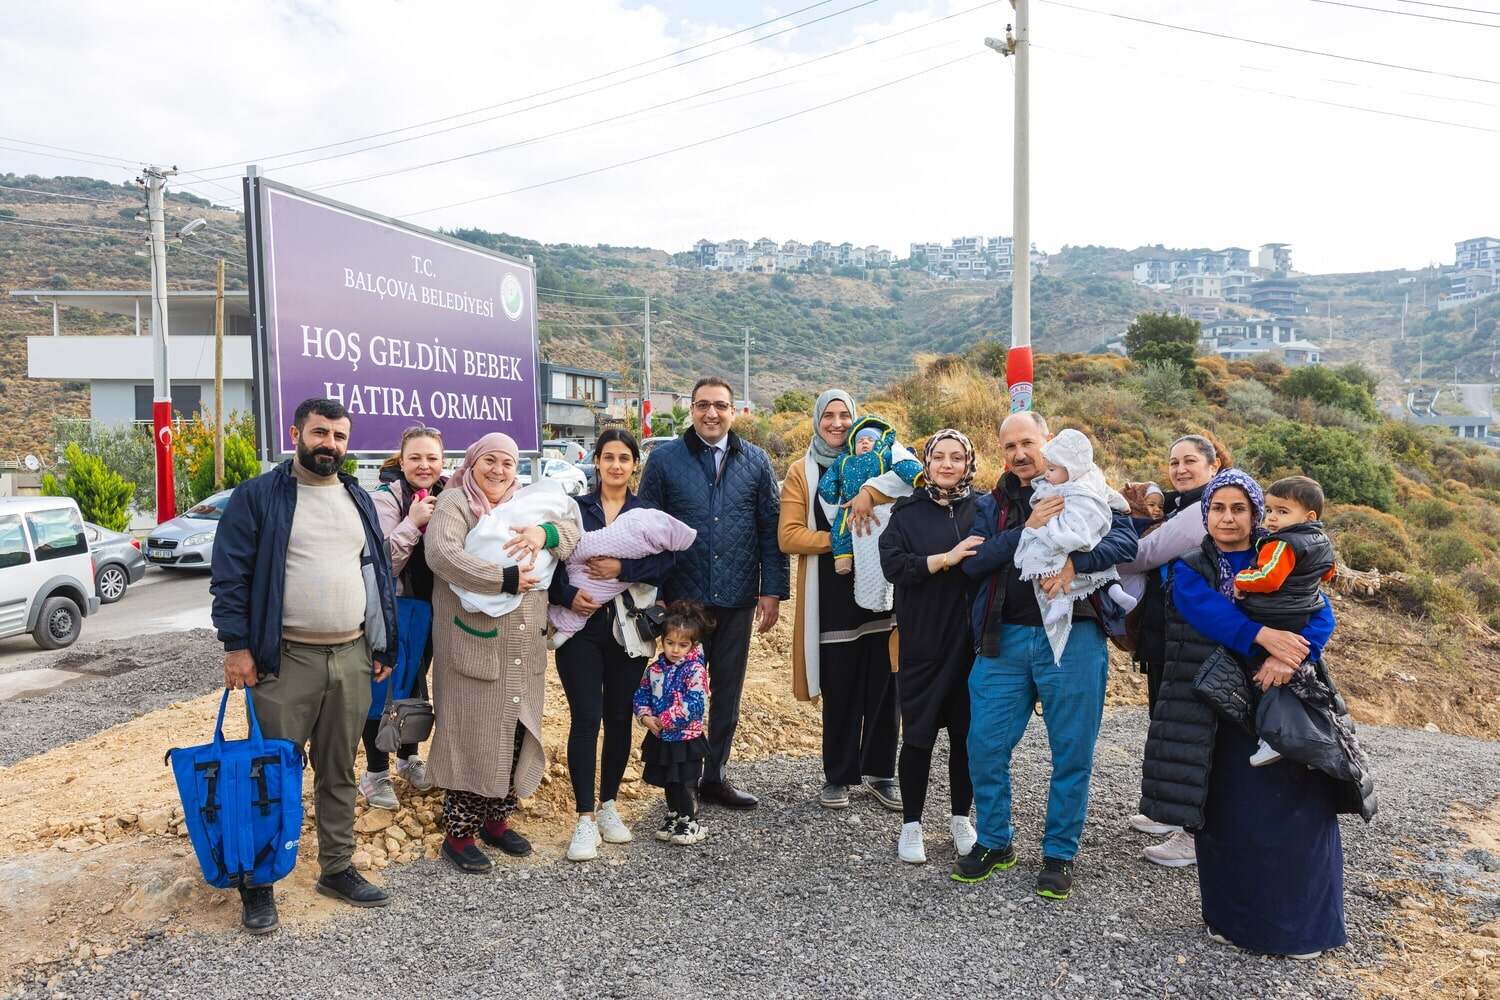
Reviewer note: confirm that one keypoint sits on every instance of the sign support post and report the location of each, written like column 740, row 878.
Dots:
column 161, row 396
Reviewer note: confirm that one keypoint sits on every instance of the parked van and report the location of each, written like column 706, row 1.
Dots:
column 46, row 571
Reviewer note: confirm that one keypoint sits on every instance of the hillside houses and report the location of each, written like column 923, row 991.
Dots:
column 972, row 258
column 765, row 255
column 1475, row 273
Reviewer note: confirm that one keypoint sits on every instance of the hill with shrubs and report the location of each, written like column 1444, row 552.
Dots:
column 1414, row 513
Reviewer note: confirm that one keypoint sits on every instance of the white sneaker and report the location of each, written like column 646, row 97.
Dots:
column 1218, row 938
column 1145, row 824
column 1264, row 754
column 611, row 827
column 586, row 840
column 687, row 832
column 1177, row 851
column 1310, row 956
column 413, row 770
column 911, row 849
column 378, row 791
column 964, row 834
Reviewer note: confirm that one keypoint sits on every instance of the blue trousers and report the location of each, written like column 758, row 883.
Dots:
column 1002, row 691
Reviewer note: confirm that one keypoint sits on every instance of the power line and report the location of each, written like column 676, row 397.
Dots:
column 697, row 143
column 611, row 119
column 1273, row 45
column 1446, row 6
column 125, row 161
column 59, row 194
column 71, row 159
column 1301, row 97
column 588, row 295
column 61, row 228
column 553, row 90
column 1406, row 13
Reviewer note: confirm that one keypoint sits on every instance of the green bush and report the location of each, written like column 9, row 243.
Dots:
column 1158, row 385
column 1450, row 552
column 1337, row 459
column 1367, row 539
column 1483, row 582
column 1250, row 401
column 102, row 495
column 240, row 464
column 793, row 401
column 1163, row 337
column 1432, row 513
column 1331, row 387
column 1426, row 596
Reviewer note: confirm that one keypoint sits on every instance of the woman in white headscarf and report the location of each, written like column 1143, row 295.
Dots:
column 840, row 651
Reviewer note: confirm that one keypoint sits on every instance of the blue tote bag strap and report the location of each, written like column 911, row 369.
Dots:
column 256, row 740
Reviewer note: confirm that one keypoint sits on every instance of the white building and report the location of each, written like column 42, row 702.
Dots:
column 1482, row 252
column 1199, row 286
column 118, row 367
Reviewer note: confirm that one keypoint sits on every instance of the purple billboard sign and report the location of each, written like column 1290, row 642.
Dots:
column 401, row 325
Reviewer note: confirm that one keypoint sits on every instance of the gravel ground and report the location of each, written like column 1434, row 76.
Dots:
column 124, row 683
column 792, row 900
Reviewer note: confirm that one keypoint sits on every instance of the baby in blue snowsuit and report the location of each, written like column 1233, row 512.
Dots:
column 867, row 456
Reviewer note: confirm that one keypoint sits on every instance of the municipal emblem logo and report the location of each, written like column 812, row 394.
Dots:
column 511, row 298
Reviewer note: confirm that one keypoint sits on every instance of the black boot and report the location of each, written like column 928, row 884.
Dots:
column 258, row 909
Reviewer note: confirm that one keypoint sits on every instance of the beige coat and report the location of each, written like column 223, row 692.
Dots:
column 489, row 674
column 808, row 545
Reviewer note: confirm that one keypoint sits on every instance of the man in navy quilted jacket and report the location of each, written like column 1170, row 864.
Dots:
column 723, row 486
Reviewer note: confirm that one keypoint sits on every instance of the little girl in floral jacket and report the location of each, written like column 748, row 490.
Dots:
column 672, row 703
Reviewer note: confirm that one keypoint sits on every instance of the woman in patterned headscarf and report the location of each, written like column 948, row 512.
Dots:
column 1270, row 860
column 929, row 535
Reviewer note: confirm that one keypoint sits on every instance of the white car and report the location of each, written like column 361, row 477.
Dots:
column 46, row 571
column 569, row 477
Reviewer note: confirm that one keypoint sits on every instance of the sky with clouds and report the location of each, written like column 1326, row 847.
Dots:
column 1140, row 134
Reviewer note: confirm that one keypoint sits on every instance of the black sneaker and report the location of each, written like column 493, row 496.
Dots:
column 1055, row 880
column 664, row 832
column 468, row 858
column 258, row 909
column 510, row 842
column 351, row 887
column 977, row 865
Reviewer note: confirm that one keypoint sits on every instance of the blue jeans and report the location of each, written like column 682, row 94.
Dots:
column 1002, row 691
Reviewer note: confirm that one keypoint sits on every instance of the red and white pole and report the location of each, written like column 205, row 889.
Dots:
column 161, row 402
column 1018, row 362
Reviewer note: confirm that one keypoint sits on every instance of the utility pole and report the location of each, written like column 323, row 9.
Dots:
column 1018, row 363
column 747, row 369
column 219, row 377
column 646, row 377
column 155, row 180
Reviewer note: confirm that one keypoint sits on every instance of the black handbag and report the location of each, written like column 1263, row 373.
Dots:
column 1221, row 682
column 404, row 721
column 646, row 621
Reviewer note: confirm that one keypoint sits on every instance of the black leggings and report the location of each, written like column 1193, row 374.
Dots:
column 378, row 760
column 680, row 799
column 599, row 679
column 915, row 767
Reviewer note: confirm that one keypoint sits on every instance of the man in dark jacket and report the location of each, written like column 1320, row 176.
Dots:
column 1015, row 668
column 305, row 605
column 723, row 486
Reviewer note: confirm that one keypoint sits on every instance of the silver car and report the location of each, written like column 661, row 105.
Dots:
column 118, row 561
column 188, row 539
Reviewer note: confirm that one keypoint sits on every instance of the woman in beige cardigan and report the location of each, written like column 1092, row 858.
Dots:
column 840, row 651
column 489, row 674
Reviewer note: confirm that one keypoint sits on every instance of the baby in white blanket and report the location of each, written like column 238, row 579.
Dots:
column 1088, row 508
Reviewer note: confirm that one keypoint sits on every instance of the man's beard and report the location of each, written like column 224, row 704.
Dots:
column 319, row 461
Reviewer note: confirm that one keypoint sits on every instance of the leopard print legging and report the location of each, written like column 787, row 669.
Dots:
column 465, row 812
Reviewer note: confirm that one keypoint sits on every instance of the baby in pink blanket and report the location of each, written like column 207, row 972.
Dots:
column 635, row 534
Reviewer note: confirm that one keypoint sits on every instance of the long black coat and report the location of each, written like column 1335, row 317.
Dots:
column 932, row 614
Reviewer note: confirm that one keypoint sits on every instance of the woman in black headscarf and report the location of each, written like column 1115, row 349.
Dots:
column 929, row 535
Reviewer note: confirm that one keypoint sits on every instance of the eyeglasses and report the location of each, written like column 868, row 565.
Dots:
column 704, row 405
